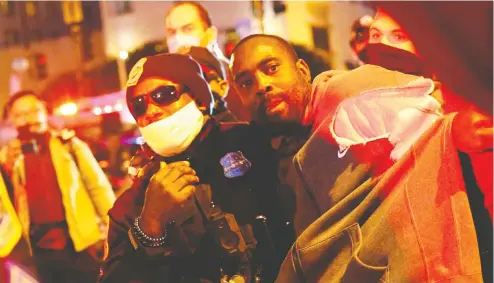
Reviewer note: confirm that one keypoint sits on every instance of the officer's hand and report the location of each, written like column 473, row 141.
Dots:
column 168, row 190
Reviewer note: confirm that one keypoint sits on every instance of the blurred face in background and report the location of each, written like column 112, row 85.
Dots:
column 391, row 48
column 360, row 34
column 270, row 80
column 219, row 86
column 185, row 27
column 29, row 114
column 386, row 30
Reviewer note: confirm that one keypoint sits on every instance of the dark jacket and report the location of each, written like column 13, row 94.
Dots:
column 194, row 254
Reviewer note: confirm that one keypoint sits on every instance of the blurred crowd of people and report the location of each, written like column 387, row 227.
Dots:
column 262, row 167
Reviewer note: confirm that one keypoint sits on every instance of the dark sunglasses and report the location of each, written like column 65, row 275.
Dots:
column 161, row 96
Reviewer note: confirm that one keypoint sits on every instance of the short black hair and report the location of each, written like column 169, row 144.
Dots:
column 16, row 96
column 203, row 13
column 283, row 43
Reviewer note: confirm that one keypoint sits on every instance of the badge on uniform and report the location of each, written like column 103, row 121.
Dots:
column 136, row 72
column 235, row 164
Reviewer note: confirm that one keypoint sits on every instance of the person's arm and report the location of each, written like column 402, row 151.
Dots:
column 9, row 154
column 124, row 263
column 473, row 130
column 472, row 133
column 97, row 184
column 141, row 249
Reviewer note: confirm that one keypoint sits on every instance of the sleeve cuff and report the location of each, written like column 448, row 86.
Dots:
column 152, row 252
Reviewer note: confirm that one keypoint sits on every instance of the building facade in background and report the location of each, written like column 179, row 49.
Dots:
column 127, row 25
column 37, row 46
column 35, row 32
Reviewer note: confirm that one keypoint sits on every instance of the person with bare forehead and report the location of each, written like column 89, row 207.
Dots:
column 188, row 24
column 205, row 205
column 381, row 149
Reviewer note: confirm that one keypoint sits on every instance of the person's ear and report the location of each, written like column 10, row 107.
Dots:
column 224, row 86
column 304, row 70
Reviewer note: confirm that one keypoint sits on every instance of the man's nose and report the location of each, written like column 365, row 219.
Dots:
column 31, row 118
column 21, row 121
column 385, row 40
column 153, row 112
column 264, row 85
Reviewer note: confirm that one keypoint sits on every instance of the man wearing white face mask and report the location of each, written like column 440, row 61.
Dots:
column 188, row 24
column 205, row 207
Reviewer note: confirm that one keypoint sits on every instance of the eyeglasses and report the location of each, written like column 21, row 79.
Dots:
column 161, row 96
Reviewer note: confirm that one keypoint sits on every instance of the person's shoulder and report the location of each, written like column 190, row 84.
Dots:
column 236, row 131
column 326, row 81
column 324, row 77
column 233, row 126
column 378, row 73
column 64, row 135
column 247, row 136
column 69, row 137
column 242, row 129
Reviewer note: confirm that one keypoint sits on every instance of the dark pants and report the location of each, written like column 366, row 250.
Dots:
column 66, row 266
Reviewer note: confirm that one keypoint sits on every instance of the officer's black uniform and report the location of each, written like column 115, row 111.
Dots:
column 251, row 198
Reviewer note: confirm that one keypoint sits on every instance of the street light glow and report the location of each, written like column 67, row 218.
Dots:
column 118, row 107
column 124, row 55
column 68, row 109
column 97, row 111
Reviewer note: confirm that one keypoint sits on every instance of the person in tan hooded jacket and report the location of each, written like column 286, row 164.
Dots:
column 61, row 195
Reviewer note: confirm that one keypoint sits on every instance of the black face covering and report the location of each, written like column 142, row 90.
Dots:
column 395, row 59
column 24, row 133
column 30, row 142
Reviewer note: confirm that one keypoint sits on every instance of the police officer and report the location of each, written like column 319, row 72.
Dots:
column 205, row 206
